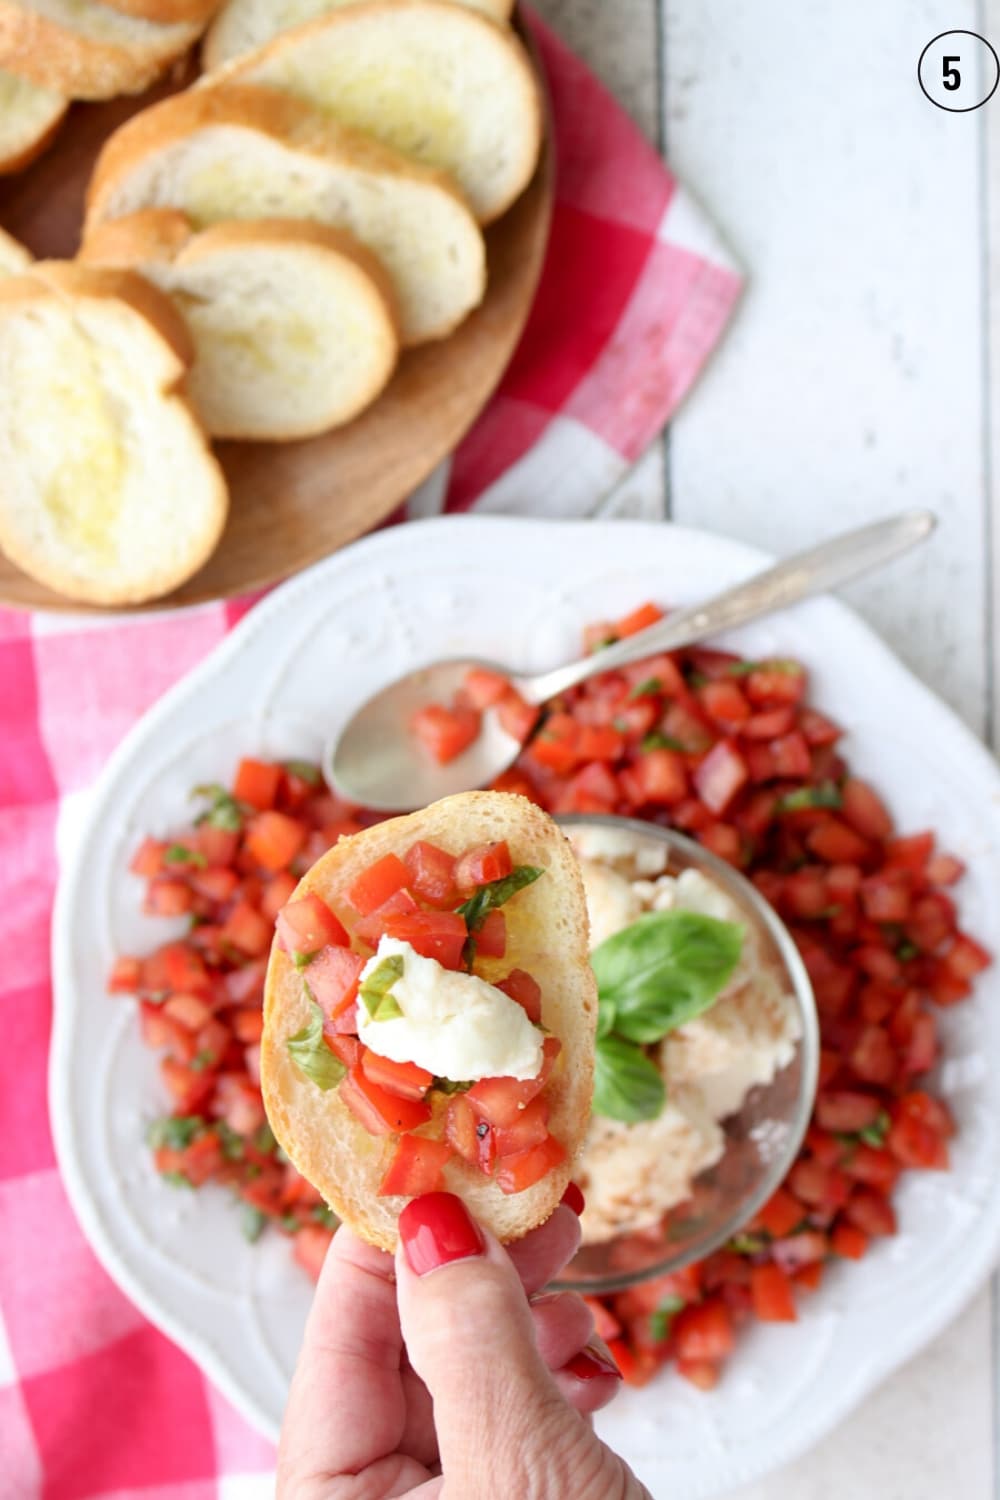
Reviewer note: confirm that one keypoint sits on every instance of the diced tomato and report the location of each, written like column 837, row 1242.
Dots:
column 417, row 1167
column 873, row 1057
column 849, row 1242
column 276, row 893
column 810, row 1277
column 556, row 745
column 944, row 869
column 805, row 893
column 845, row 1112
column 168, row 898
column 333, row 979
column 375, row 885
column 307, row 925
column 238, row 1102
column 491, row 938
column 309, row 1247
column 125, row 977
column 373, row 927
column 246, row 984
column 931, row 922
column 273, row 839
column 247, row 930
column 483, row 688
column 871, row 1213
column 248, row 1026
column 724, row 841
column 966, row 958
column 704, row 1332
column 837, row 844
column 864, row 809
column 601, row 742
column 516, row 1173
column 446, row 732
column 188, row 1086
column 781, row 1214
column 500, row 1101
column 216, row 883
column 190, row 1010
column 516, row 717
column 347, row 1048
column 817, row 728
column 528, row 1130
column 219, row 846
column 594, row 788
column 257, row 783
column 817, row 1185
column 526, row 990
column 770, row 724
column 639, row 619
column 431, row 874
column 380, row 1112
column 911, row 852
column 405, row 1079
column 720, row 776
column 724, row 701
column 918, row 1134
column 147, row 860
column 773, row 1299
column 483, row 864
column 885, row 897
column 798, row 1250
column 434, row 934
column 662, row 776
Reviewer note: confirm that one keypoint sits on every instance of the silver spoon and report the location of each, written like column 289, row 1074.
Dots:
column 377, row 761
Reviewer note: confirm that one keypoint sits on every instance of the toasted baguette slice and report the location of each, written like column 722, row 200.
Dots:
column 546, row 935
column 242, row 26
column 14, row 258
column 29, row 118
column 167, row 12
column 293, row 323
column 239, row 152
column 437, row 81
column 85, row 49
column 109, row 492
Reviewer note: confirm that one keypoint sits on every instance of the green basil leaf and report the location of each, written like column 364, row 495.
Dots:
column 661, row 1319
column 203, row 1060
column 665, row 969
column 289, row 1223
column 605, row 1018
column 746, row 1244
column 496, row 893
column 744, row 668
column 627, row 1084
column 648, row 689
column 179, row 854
column 175, row 1131
column 875, row 1134
column 302, row 960
column 263, row 1138
column 827, row 794
column 232, row 1141
column 449, row 1086
column 325, row 1215
column 658, row 741
column 387, row 1009
column 176, row 1179
column 380, row 981
column 223, row 810
column 305, row 770
column 252, row 1222
column 312, row 1056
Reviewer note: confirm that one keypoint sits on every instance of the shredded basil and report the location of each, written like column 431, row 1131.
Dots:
column 449, row 1086
column 263, row 1138
column 203, row 1060
column 658, row 741
column 779, row 664
column 179, row 854
column 290, row 1223
column 906, row 951
column 875, row 1134
column 302, row 960
column 663, row 1317
column 174, row 1131
column 312, row 1056
column 746, row 1244
column 223, row 810
column 495, row 894
column 651, row 688
column 827, row 794
column 232, row 1141
column 305, row 770
column 379, row 982
column 325, row 1215
column 252, row 1223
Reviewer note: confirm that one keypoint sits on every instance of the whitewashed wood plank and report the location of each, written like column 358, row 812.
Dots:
column 850, row 384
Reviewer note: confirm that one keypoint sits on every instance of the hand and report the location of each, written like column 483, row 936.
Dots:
column 437, row 1379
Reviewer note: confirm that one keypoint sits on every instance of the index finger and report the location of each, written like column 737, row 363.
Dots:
column 347, row 1407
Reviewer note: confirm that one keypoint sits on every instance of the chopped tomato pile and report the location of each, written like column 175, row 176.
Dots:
column 448, row 908
column 200, row 997
column 732, row 753
column 728, row 751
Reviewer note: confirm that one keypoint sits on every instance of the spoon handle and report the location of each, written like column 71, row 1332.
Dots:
column 814, row 571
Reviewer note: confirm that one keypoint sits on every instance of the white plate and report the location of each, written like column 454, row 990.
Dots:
column 519, row 591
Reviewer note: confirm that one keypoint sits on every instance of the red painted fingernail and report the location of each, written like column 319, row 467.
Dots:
column 437, row 1229
column 573, row 1199
column 589, row 1365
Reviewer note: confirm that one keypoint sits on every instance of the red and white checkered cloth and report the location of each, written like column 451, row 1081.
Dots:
column 636, row 291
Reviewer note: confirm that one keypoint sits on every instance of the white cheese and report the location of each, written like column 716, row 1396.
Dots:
column 455, row 1025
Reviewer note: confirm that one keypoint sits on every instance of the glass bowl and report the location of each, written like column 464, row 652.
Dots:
column 761, row 1140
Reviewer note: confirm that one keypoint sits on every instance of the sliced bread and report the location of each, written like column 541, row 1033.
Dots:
column 242, row 26
column 437, row 81
column 14, row 258
column 109, row 492
column 29, row 118
column 293, row 323
column 546, row 935
column 85, row 49
column 238, row 152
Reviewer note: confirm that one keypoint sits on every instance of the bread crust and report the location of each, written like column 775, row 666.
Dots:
column 81, row 67
column 547, row 934
column 439, row 13
column 167, row 12
column 69, row 281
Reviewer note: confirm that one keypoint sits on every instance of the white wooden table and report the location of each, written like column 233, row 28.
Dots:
column 854, row 382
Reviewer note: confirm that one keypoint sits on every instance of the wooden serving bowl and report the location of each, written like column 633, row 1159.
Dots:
column 293, row 503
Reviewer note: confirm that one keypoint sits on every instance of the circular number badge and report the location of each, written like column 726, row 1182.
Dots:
column 958, row 71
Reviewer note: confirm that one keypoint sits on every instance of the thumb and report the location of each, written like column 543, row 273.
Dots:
column 502, row 1426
